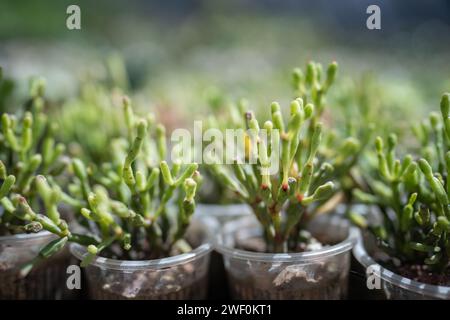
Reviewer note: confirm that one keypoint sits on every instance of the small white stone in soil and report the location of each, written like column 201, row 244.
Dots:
column 293, row 272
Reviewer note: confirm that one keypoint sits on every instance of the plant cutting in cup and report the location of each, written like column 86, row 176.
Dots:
column 284, row 203
column 31, row 227
column 140, row 207
column 411, row 197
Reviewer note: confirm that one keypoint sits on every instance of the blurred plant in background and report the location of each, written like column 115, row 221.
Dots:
column 94, row 118
column 140, row 204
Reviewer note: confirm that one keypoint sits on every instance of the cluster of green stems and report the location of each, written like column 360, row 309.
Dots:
column 413, row 196
column 280, row 200
column 135, row 203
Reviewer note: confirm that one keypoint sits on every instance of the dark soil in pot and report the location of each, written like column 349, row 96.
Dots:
column 416, row 272
column 407, row 282
column 319, row 280
column 423, row 274
column 293, row 284
column 170, row 286
column 148, row 276
column 47, row 281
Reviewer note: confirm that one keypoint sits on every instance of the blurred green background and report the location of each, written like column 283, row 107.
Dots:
column 181, row 54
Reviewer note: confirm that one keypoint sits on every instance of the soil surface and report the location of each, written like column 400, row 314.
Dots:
column 257, row 244
column 423, row 274
column 183, row 281
column 417, row 272
column 46, row 281
column 324, row 279
column 146, row 285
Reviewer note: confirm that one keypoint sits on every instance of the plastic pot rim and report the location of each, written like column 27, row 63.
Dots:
column 363, row 257
column 299, row 258
column 24, row 237
column 130, row 265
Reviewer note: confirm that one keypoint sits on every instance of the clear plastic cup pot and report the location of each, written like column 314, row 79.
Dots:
column 318, row 274
column 394, row 286
column 47, row 280
column 183, row 276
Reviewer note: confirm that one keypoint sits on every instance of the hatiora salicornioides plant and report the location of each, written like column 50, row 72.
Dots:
column 414, row 200
column 342, row 146
column 283, row 201
column 141, row 206
column 30, row 165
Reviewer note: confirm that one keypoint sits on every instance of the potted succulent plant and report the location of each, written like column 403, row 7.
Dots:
column 406, row 237
column 284, row 253
column 215, row 200
column 343, row 153
column 139, row 207
column 31, row 227
column 340, row 147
